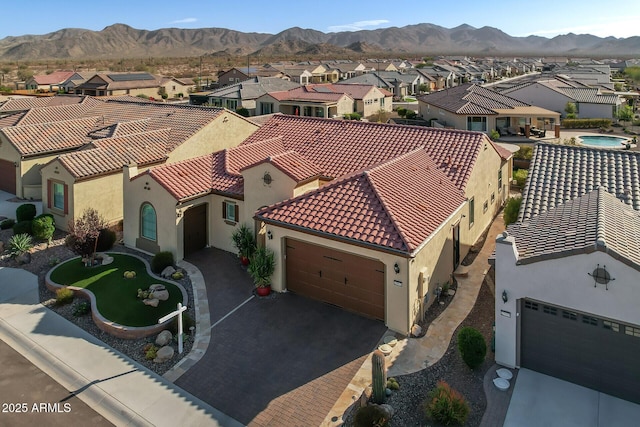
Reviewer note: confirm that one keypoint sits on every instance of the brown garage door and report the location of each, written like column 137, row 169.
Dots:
column 7, row 177
column 195, row 229
column 348, row 281
column 598, row 353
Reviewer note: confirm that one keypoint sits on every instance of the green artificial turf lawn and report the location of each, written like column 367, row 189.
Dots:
column 116, row 296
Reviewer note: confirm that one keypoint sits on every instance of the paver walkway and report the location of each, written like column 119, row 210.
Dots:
column 414, row 354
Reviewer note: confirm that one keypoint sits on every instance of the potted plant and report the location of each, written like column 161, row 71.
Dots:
column 261, row 269
column 242, row 238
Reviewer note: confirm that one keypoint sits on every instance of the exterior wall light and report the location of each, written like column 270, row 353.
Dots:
column 269, row 235
column 396, row 268
column 505, row 297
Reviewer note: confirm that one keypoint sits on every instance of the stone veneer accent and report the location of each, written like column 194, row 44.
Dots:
column 115, row 329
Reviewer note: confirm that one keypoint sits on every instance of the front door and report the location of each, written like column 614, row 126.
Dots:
column 456, row 246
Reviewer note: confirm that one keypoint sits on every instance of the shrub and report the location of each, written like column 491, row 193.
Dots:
column 401, row 111
column 511, row 210
column 81, row 308
column 84, row 232
column 472, row 346
column 43, row 228
column 161, row 260
column 410, row 114
column 520, row 176
column 64, row 296
column 20, row 244
column 524, row 153
column 369, row 416
column 445, row 405
column 106, row 240
column 151, row 352
column 243, row 112
column 494, row 134
column 22, row 227
column 586, row 123
column 25, row 212
column 7, row 224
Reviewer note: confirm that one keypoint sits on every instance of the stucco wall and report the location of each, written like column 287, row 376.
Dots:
column 595, row 111
column 55, row 172
column 226, row 131
column 541, row 96
column 257, row 194
column 103, row 194
column 396, row 297
column 563, row 282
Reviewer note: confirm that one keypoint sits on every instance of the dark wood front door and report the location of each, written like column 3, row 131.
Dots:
column 7, row 176
column 195, row 229
column 349, row 281
column 456, row 246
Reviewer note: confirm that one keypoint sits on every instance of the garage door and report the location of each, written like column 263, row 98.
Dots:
column 339, row 278
column 195, row 229
column 587, row 350
column 7, row 176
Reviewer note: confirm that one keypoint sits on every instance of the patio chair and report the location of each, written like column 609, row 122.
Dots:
column 542, row 133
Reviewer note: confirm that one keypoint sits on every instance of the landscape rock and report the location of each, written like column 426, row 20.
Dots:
column 164, row 338
column 167, row 272
column 156, row 287
column 161, row 295
column 388, row 410
column 164, row 353
column 416, row 330
column 24, row 258
column 387, row 391
column 153, row 302
column 1, row 247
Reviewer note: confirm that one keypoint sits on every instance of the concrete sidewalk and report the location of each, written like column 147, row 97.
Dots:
column 414, row 354
column 121, row 390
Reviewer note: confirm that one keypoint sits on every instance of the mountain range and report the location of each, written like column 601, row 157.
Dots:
column 123, row 41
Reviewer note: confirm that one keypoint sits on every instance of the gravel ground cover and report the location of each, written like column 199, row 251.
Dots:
column 43, row 258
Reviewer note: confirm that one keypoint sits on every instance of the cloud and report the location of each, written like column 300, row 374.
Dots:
column 184, row 21
column 357, row 26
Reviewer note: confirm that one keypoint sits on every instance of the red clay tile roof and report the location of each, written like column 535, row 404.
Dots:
column 312, row 93
column 49, row 137
column 109, row 155
column 237, row 158
column 54, row 78
column 293, row 165
column 22, row 104
column 341, row 147
column 367, row 207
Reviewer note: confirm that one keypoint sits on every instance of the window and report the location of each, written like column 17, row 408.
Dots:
column 230, row 212
column 148, row 222
column 472, row 211
column 612, row 326
column 477, row 123
column 266, row 107
column 569, row 315
column 630, row 330
column 589, row 320
column 531, row 305
column 549, row 310
column 232, row 104
column 57, row 195
column 499, row 180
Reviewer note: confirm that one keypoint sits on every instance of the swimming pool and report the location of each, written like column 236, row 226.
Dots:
column 602, row 141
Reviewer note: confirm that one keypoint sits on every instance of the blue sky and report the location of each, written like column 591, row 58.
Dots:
column 541, row 17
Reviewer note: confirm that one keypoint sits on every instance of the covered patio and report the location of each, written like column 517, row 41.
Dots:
column 528, row 122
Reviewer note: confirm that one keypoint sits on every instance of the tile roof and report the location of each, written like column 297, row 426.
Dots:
column 325, row 92
column 22, row 104
column 57, row 77
column 470, row 99
column 41, row 138
column 594, row 221
column 292, row 164
column 111, row 154
column 559, row 173
column 341, row 147
column 366, row 207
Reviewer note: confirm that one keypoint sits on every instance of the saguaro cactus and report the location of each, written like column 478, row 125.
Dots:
column 379, row 376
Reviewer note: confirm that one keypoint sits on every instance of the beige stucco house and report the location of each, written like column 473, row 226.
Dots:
column 370, row 217
column 134, row 84
column 92, row 176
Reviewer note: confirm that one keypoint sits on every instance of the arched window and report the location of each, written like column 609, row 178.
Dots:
column 148, row 222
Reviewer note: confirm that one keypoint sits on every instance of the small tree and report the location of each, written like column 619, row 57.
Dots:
column 410, row 114
column 243, row 112
column 84, row 233
column 571, row 109
column 43, row 228
column 625, row 113
column 511, row 210
column 401, row 111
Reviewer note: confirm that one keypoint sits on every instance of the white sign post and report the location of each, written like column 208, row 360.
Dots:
column 178, row 313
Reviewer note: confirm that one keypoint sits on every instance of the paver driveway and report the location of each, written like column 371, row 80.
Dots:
column 281, row 360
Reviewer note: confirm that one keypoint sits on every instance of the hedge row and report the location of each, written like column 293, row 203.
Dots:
column 586, row 123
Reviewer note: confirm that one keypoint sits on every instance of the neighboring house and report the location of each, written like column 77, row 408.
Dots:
column 398, row 84
column 243, row 94
column 40, row 146
column 176, row 88
column 308, row 101
column 324, row 195
column 48, row 82
column 566, row 272
column 326, row 100
column 71, row 84
column 554, row 94
column 134, row 84
column 473, row 107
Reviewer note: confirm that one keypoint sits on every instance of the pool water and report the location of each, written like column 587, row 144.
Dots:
column 603, row 141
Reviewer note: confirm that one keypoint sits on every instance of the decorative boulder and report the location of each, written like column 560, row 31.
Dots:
column 167, row 272
column 161, row 295
column 153, row 302
column 156, row 287
column 164, row 338
column 388, row 410
column 416, row 330
column 164, row 353
column 106, row 259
